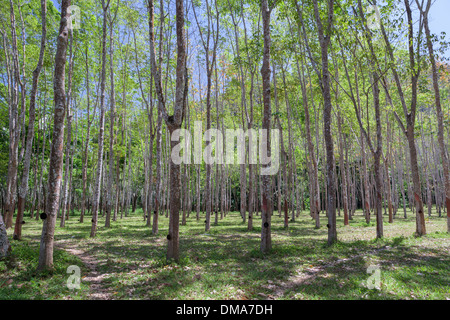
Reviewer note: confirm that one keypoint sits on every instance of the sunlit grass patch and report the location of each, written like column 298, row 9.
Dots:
column 226, row 263
column 19, row 279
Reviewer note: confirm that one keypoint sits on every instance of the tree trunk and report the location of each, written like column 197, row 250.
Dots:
column 14, row 124
column 365, row 187
column 439, row 114
column 112, row 114
column 343, row 172
column 23, row 189
column 69, row 135
column 174, row 121
column 283, row 156
column 158, row 172
column 56, row 157
column 99, row 173
column 266, row 184
column 324, row 41
column 5, row 247
column 410, row 115
column 84, row 196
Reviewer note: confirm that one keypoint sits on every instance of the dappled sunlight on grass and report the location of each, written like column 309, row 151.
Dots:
column 225, row 262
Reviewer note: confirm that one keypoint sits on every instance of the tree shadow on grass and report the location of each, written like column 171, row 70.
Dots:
column 405, row 273
column 210, row 266
column 21, row 281
column 226, row 262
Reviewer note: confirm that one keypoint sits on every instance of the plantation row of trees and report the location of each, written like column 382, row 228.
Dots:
column 359, row 92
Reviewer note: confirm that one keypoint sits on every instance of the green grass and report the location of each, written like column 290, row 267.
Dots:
column 225, row 263
column 19, row 280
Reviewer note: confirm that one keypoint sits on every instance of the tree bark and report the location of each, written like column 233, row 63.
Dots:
column 101, row 132
column 410, row 115
column 174, row 121
column 14, row 123
column 439, row 114
column 56, row 157
column 84, row 196
column 23, row 189
column 69, row 136
column 324, row 41
column 112, row 114
column 5, row 247
column 266, row 180
column 343, row 172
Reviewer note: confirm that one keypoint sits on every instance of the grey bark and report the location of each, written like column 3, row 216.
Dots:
column 266, row 180
column 439, row 114
column 99, row 173
column 56, row 157
column 23, row 189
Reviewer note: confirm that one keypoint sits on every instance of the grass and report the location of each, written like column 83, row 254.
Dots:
column 19, row 280
column 225, row 263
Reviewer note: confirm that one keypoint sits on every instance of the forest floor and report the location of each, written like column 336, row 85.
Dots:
column 127, row 262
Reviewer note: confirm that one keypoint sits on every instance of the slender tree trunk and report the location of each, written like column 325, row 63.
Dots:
column 291, row 157
column 35, row 184
column 365, row 187
column 158, row 172
column 14, row 123
column 439, row 114
column 410, row 116
column 401, row 183
column 41, row 194
column 315, row 190
column 84, row 196
column 112, row 114
column 69, row 135
column 23, row 189
column 56, row 157
column 343, row 172
column 65, row 192
column 283, row 154
column 198, row 192
column 174, row 121
column 266, row 184
column 243, row 188
column 5, row 247
column 218, row 177
column 324, row 41
column 99, row 173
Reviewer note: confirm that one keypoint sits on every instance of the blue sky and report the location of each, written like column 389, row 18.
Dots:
column 440, row 18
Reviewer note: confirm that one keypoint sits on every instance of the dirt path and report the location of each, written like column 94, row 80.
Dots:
column 98, row 291
column 309, row 275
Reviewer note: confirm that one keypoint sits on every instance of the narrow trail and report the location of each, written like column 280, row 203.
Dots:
column 98, row 291
column 310, row 274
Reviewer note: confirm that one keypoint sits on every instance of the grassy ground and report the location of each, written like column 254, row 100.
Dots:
column 225, row 263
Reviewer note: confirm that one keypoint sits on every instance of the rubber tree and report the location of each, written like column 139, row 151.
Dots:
column 174, row 121
column 56, row 155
